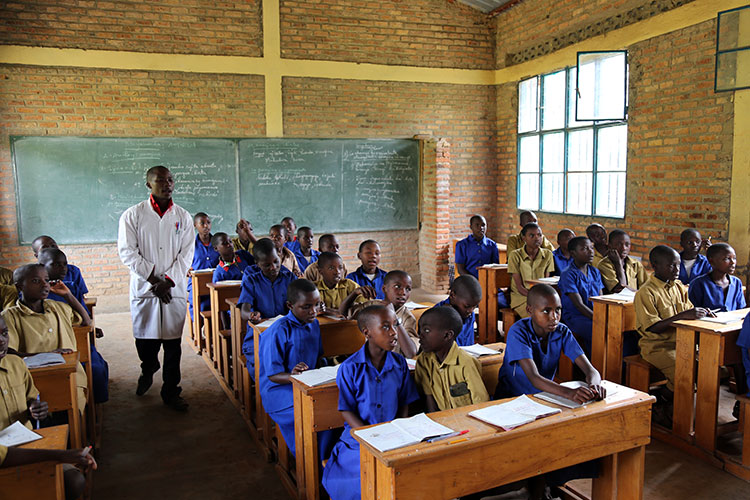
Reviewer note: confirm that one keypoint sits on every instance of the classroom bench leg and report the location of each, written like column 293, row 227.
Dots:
column 630, row 473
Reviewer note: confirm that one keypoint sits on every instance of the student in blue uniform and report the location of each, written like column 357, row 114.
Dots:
column 305, row 253
column 232, row 263
column 578, row 283
column 56, row 264
column 476, row 250
column 73, row 278
column 562, row 256
column 204, row 257
column 743, row 341
column 263, row 293
column 692, row 263
column 374, row 387
column 718, row 289
column 369, row 274
column 290, row 346
column 290, row 240
column 464, row 296
column 532, row 354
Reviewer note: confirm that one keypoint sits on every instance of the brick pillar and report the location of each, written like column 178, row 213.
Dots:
column 434, row 233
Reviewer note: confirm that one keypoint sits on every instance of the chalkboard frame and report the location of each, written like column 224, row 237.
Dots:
column 238, row 197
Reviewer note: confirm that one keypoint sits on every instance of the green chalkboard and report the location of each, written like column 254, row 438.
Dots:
column 76, row 188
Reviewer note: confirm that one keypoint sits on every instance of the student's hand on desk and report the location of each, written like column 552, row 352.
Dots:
column 367, row 292
column 255, row 317
column 38, row 410
column 58, row 287
column 599, row 392
column 697, row 313
column 581, row 395
column 63, row 351
column 299, row 368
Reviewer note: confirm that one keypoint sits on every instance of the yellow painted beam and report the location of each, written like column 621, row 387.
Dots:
column 739, row 211
column 272, row 55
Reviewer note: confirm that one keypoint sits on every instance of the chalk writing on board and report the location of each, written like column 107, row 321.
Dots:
column 298, row 178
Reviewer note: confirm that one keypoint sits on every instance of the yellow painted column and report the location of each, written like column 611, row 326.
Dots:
column 272, row 57
column 739, row 208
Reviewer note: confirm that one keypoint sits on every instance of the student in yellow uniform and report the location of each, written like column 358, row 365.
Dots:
column 446, row 375
column 8, row 296
column 661, row 301
column 516, row 241
column 245, row 238
column 619, row 270
column 336, row 292
column 6, row 276
column 530, row 262
column 326, row 243
column 277, row 233
column 596, row 233
column 37, row 324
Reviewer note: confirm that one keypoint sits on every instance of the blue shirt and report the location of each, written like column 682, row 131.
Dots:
column 523, row 343
column 293, row 245
column 703, row 292
column 235, row 269
column 587, row 285
column 473, row 254
column 73, row 279
column 302, row 260
column 286, row 343
column 359, row 278
column 466, row 337
column 561, row 262
column 205, row 257
column 700, row 267
column 743, row 341
column 268, row 298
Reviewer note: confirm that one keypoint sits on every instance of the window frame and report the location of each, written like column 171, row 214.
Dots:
column 595, row 126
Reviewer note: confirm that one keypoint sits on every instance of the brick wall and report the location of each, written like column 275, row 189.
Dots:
column 169, row 26
column 435, row 33
column 679, row 146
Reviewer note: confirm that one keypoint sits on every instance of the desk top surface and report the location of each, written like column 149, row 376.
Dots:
column 718, row 328
column 609, row 300
column 53, row 438
column 71, row 361
column 224, row 284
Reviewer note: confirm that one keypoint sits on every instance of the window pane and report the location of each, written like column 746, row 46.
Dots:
column 572, row 122
column 581, row 151
column 580, row 190
column 610, row 194
column 553, row 147
column 553, row 101
column 528, row 191
column 527, row 99
column 601, row 85
column 612, row 148
column 528, row 154
column 552, row 192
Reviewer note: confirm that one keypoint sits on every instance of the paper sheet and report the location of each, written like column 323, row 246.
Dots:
column 477, row 350
column 318, row 376
column 231, row 282
column 43, row 359
column 519, row 411
column 269, row 321
column 17, row 434
column 204, row 271
column 402, row 432
column 414, row 305
column 727, row 317
column 575, row 384
column 626, row 295
column 552, row 280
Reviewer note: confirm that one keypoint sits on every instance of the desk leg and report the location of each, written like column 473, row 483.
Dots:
column 74, row 415
column 630, row 473
column 598, row 338
column 615, row 329
column 492, row 292
column 707, row 401
column 367, row 477
column 682, row 420
column 483, row 305
column 299, row 442
column 604, row 485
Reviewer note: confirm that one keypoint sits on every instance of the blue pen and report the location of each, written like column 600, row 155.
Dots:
column 38, row 401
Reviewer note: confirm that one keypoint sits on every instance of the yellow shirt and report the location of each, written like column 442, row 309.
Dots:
column 404, row 315
column 6, row 276
column 520, row 262
column 8, row 296
column 237, row 244
column 312, row 273
column 33, row 332
column 635, row 273
column 333, row 297
column 3, row 454
column 516, row 241
column 455, row 382
column 17, row 391
column 289, row 261
column 656, row 301
column 597, row 258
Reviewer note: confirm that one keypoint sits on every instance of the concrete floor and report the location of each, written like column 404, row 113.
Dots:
column 151, row 452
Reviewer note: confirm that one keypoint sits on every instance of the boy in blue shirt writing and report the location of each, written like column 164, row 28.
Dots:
column 692, row 263
column 374, row 387
column 464, row 296
column 204, row 257
column 369, row 274
column 718, row 290
column 263, row 293
column 290, row 346
column 476, row 250
column 562, row 256
column 304, row 252
column 578, row 283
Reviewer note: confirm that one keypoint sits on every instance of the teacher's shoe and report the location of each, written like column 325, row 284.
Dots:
column 144, row 383
column 177, row 403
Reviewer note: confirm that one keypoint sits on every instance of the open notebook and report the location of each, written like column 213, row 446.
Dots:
column 510, row 415
column 17, row 434
column 43, row 359
column 727, row 317
column 318, row 376
column 402, row 432
column 478, row 350
column 574, row 384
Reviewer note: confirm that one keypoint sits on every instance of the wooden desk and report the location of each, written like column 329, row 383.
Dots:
column 237, row 327
column 84, row 338
column 551, row 281
column 200, row 280
column 38, row 480
column 316, row 409
column 491, row 278
column 718, row 347
column 219, row 293
column 90, row 303
column 57, row 386
column 612, row 318
column 617, row 430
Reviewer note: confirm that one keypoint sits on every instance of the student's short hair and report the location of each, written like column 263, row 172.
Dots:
column 328, row 238
column 525, row 213
column 617, row 233
column 368, row 313
column 689, row 232
column 326, row 257
column 287, row 218
column 475, row 217
column 576, row 242
column 50, row 254
column 365, row 243
column 298, row 288
column 717, row 249
column 539, row 292
column 303, row 229
column 216, row 237
column 661, row 252
column 263, row 248
column 37, row 243
column 467, row 286
column 278, row 227
column 154, row 171
column 528, row 227
column 21, row 273
column 393, row 275
column 564, row 232
column 199, row 215
column 592, row 227
column 447, row 317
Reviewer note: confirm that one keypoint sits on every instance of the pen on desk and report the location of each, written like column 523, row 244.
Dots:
column 714, row 311
column 447, row 436
column 459, row 440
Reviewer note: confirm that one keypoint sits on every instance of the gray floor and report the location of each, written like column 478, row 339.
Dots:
column 149, row 451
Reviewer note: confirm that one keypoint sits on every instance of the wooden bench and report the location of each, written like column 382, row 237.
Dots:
column 640, row 374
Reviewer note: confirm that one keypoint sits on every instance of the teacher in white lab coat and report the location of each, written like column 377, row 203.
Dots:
column 155, row 240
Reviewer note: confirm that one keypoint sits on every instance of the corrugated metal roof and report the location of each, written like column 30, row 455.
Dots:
column 485, row 6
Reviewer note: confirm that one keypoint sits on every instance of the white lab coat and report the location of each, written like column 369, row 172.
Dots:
column 165, row 245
